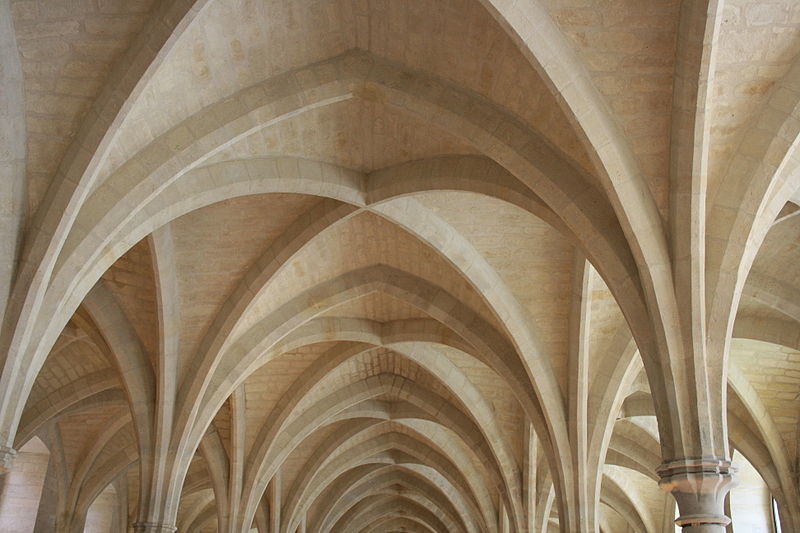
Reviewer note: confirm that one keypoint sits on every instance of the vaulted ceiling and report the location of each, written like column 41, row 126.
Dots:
column 375, row 265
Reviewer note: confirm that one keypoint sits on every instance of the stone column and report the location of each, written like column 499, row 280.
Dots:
column 7, row 456
column 699, row 486
column 150, row 527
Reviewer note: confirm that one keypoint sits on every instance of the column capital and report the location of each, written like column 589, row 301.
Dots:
column 7, row 456
column 707, row 464
column 152, row 527
column 699, row 485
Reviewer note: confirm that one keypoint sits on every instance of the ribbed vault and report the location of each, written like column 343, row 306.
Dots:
column 437, row 266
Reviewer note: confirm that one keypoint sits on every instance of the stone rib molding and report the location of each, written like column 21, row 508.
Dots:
column 699, row 485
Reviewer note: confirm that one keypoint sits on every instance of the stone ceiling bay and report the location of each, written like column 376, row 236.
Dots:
column 357, row 134
column 321, row 265
column 67, row 48
column 72, row 357
column 361, row 241
column 214, row 247
column 232, row 45
column 190, row 513
column 760, row 321
column 758, row 44
column 628, row 48
column 380, row 361
column 79, row 432
column 607, row 325
column 265, row 388
column 532, row 258
column 774, row 372
column 131, row 280
column 780, row 254
column 295, row 465
column 377, row 306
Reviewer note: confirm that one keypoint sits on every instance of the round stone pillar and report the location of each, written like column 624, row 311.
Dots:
column 699, row 486
column 151, row 527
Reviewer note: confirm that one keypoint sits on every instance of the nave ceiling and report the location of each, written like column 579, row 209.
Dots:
column 370, row 265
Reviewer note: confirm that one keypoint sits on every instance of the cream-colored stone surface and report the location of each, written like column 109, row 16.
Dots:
column 247, row 57
column 505, row 407
column 100, row 517
column 23, row 488
column 530, row 256
column 377, row 306
column 361, row 241
column 79, row 431
column 457, row 266
column 75, row 356
column 758, row 43
column 612, row 521
column 606, row 324
column 131, row 279
column 68, row 48
column 628, row 47
column 751, row 500
column 265, row 387
column 774, row 372
column 208, row 247
column 361, row 135
column 780, row 254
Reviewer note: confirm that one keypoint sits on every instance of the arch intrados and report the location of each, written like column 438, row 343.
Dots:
column 258, row 329
column 429, row 454
column 395, row 83
column 629, row 432
column 346, row 446
column 410, row 393
column 192, row 510
column 297, row 500
column 342, row 479
column 377, row 481
column 380, row 470
column 366, row 512
column 88, row 465
column 351, row 432
column 337, row 375
column 108, row 397
column 443, row 369
column 396, row 283
column 751, row 446
column 453, row 429
column 758, row 435
column 250, row 191
column 397, row 523
column 348, row 193
column 615, row 497
column 57, row 211
column 357, row 350
column 416, row 496
column 196, row 487
column 207, row 514
column 94, row 485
